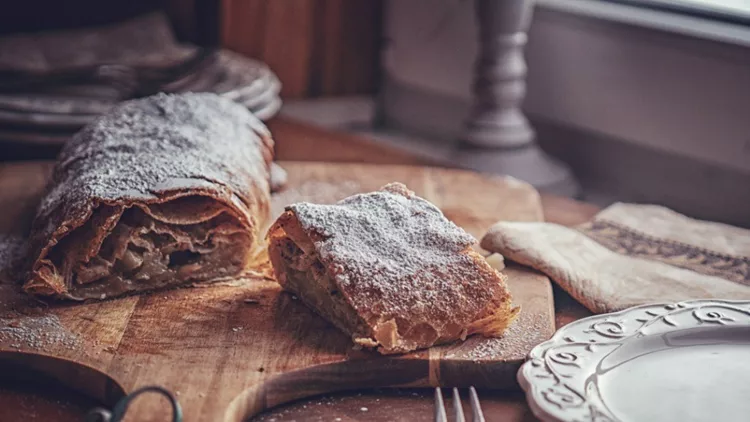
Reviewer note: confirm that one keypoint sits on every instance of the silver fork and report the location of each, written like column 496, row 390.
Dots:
column 458, row 410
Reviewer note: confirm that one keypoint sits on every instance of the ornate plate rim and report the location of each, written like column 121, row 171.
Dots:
column 549, row 405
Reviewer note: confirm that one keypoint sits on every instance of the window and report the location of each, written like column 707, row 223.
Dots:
column 734, row 11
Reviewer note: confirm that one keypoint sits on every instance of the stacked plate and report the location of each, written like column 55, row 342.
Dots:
column 52, row 114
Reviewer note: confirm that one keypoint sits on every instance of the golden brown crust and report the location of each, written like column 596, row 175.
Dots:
column 205, row 153
column 404, row 277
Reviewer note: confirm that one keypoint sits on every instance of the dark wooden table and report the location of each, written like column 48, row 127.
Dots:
column 302, row 142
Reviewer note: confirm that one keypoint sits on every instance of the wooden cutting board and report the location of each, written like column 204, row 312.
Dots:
column 232, row 350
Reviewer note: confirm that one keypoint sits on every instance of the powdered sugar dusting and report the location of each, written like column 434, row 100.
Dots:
column 23, row 325
column 37, row 332
column 396, row 255
column 142, row 144
column 528, row 330
column 157, row 144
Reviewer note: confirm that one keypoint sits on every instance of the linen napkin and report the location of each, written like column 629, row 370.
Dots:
column 631, row 255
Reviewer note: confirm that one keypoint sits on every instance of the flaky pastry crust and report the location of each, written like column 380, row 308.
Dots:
column 390, row 270
column 159, row 192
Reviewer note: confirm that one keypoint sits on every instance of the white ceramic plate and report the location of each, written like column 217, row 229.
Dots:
column 688, row 361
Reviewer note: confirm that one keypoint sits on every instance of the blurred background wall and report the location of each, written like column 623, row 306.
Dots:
column 317, row 47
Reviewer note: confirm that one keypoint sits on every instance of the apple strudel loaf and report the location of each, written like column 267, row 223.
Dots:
column 161, row 191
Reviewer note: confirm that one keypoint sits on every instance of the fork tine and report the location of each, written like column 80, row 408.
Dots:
column 440, row 415
column 476, row 410
column 458, row 409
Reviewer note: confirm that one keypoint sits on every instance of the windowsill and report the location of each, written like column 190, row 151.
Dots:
column 704, row 28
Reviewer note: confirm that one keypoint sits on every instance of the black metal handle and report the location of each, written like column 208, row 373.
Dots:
column 118, row 412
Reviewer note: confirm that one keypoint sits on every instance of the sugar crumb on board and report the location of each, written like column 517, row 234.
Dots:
column 346, row 406
column 527, row 331
column 37, row 332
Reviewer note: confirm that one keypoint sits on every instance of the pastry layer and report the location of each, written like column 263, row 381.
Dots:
column 390, row 270
column 161, row 191
column 125, row 250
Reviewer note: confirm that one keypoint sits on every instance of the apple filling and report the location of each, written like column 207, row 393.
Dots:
column 143, row 247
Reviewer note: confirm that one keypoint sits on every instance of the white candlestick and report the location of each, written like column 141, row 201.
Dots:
column 498, row 136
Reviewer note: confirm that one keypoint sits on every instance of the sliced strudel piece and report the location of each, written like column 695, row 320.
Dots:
column 390, row 270
column 159, row 192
